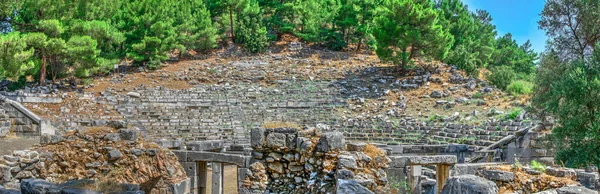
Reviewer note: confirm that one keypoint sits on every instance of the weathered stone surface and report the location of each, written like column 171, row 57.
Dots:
column 114, row 137
column 114, row 155
column 276, row 140
column 469, row 184
column 344, row 174
column 38, row 186
column 129, row 134
column 401, row 161
column 350, row 186
column 347, row 161
column 575, row 190
column 257, row 137
column 205, row 145
column 498, row 175
column 117, row 124
column 50, row 139
column 331, row 141
column 276, row 167
column 469, row 168
column 134, row 94
column 356, row 147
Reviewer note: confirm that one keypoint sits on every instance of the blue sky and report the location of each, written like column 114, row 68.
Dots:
column 518, row 17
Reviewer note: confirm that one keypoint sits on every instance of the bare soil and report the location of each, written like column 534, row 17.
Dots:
column 7, row 146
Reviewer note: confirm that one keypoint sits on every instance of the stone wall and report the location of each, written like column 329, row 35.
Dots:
column 227, row 112
column 292, row 161
column 102, row 154
column 20, row 120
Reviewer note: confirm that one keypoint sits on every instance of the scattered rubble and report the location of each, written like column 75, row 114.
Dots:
column 103, row 154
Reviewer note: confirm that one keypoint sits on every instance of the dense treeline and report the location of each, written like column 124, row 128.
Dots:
column 58, row 38
column 568, row 79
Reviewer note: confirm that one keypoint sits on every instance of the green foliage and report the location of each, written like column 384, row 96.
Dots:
column 573, row 99
column 251, row 31
column 473, row 35
column 572, row 26
column 535, row 165
column 109, row 38
column 401, row 185
column 520, row 87
column 514, row 113
column 477, row 95
column 406, row 29
column 14, row 58
column 82, row 52
column 501, row 76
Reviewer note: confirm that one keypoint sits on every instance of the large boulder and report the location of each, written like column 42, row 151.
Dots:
column 351, row 186
column 331, row 141
column 38, row 186
column 469, row 184
column 575, row 190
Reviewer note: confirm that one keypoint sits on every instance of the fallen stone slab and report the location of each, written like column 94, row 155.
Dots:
column 498, row 175
column 350, row 186
column 402, row 161
column 469, row 184
column 205, row 145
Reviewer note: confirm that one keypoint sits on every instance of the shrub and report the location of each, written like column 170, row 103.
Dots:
column 478, row 95
column 520, row 87
column 535, row 165
column 501, row 76
column 513, row 114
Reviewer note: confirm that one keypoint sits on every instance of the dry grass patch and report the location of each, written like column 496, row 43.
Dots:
column 280, row 124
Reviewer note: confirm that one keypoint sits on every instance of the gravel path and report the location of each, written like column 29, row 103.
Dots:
column 7, row 146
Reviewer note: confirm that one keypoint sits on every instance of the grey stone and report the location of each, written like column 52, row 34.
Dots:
column 152, row 152
column 134, row 94
column 50, row 139
column 331, row 141
column 117, row 124
column 114, row 137
column 129, row 134
column 93, row 165
column 498, row 175
column 257, row 137
column 575, row 190
column 435, row 94
column 344, row 174
column 351, row 186
column 205, row 145
column 78, row 191
column 276, row 140
column 276, row 167
column 136, row 152
column 114, row 155
column 346, row 161
column 38, row 186
column 10, row 158
column 356, row 147
column 469, row 184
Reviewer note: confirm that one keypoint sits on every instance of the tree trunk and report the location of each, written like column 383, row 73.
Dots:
column 43, row 71
column 231, row 22
column 359, row 42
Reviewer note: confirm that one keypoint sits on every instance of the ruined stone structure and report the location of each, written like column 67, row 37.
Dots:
column 17, row 119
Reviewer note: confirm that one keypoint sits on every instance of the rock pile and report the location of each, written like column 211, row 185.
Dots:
column 517, row 179
column 103, row 154
column 292, row 161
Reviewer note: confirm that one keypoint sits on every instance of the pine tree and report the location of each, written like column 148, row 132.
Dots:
column 406, row 29
column 251, row 31
column 82, row 52
column 15, row 57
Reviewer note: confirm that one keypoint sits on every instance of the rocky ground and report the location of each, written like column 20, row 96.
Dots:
column 428, row 90
column 107, row 155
